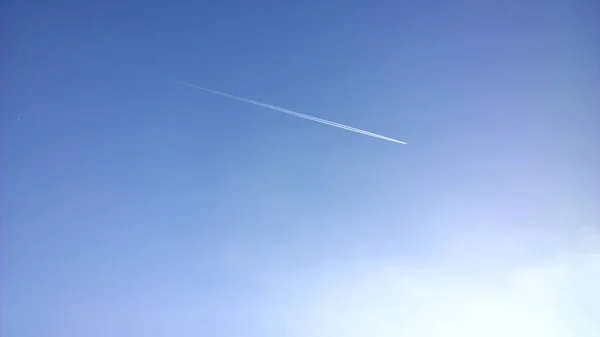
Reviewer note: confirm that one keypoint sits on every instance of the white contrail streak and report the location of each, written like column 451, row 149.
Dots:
column 287, row 111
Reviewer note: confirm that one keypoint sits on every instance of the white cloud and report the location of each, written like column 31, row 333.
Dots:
column 554, row 298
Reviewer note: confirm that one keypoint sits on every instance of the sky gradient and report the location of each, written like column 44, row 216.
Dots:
column 131, row 206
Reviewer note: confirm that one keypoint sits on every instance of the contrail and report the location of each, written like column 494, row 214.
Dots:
column 287, row 111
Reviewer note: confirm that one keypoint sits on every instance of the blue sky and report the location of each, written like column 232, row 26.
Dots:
column 131, row 206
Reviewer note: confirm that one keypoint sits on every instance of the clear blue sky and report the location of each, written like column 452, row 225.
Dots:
column 131, row 206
